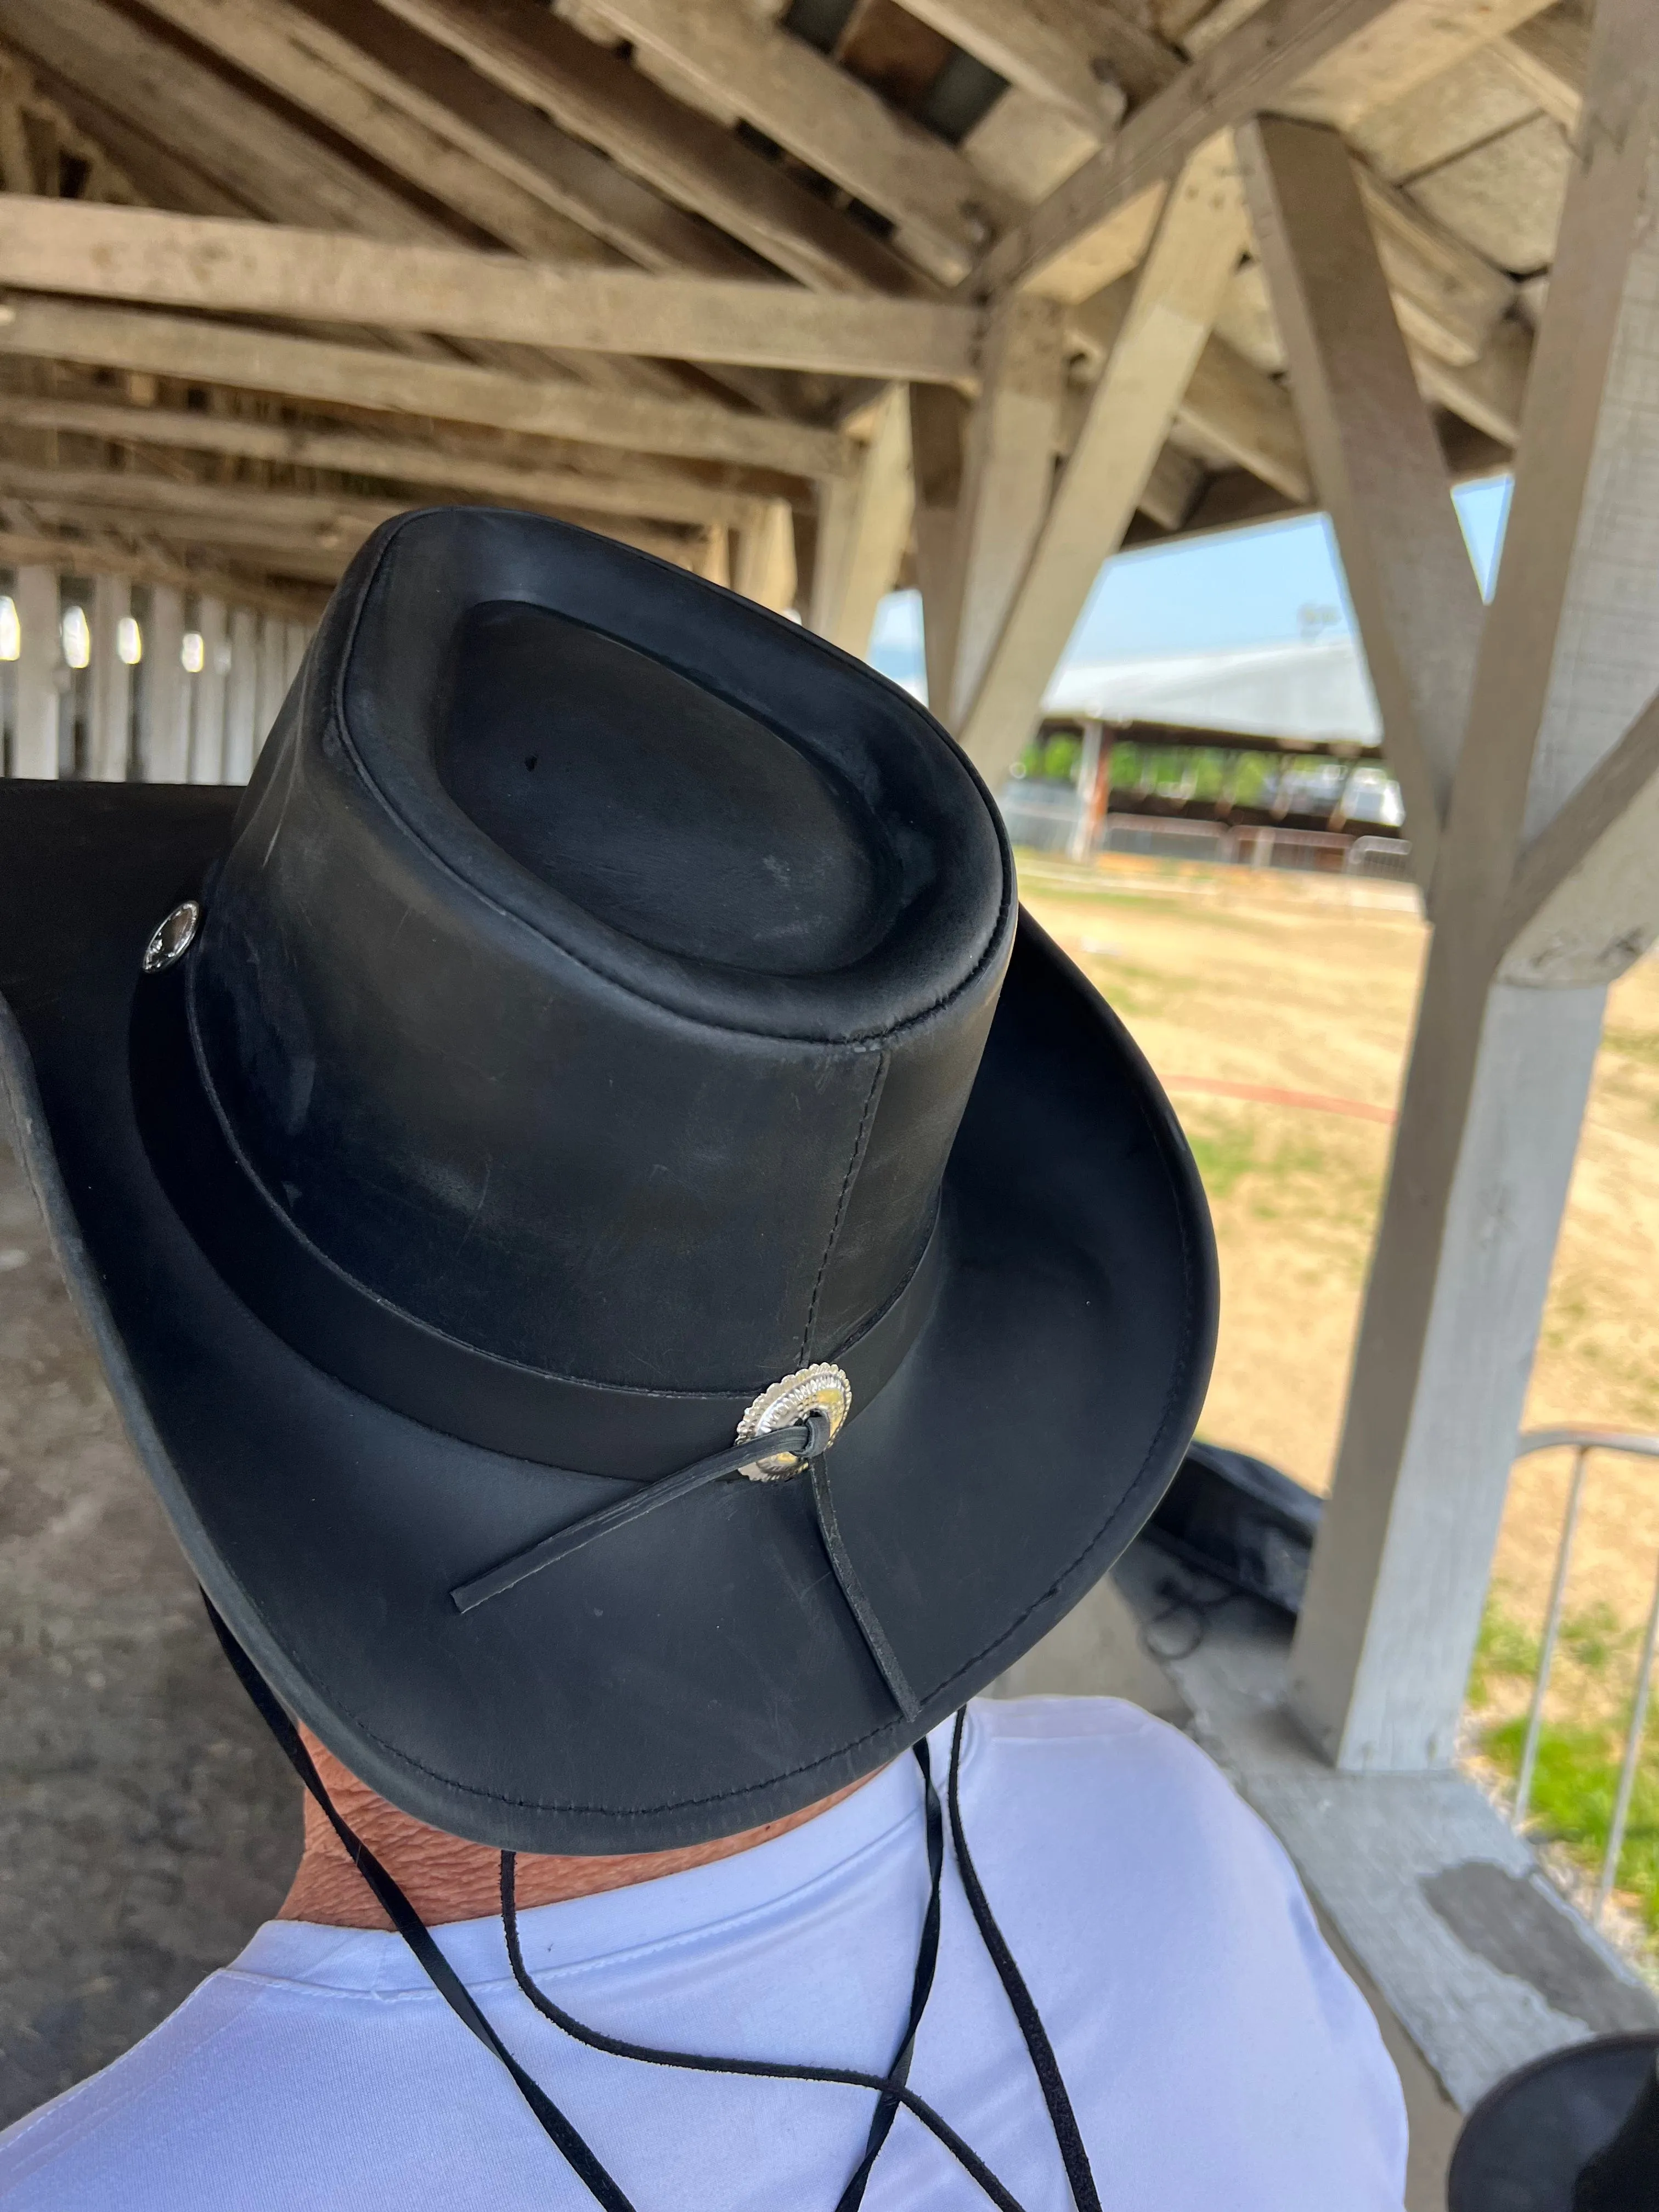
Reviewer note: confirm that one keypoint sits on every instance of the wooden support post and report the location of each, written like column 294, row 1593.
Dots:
column 864, row 525
column 1376, row 461
column 241, row 696
column 273, row 677
column 34, row 727
column 111, row 681
column 206, row 717
column 1177, row 295
column 298, row 637
column 1500, row 1067
column 164, row 734
column 938, row 430
column 1007, row 481
column 766, row 556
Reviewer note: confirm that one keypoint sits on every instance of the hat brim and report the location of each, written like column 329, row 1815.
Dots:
column 698, row 1672
column 1526, row 2142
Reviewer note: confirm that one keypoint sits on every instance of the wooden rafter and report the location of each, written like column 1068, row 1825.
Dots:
column 264, row 269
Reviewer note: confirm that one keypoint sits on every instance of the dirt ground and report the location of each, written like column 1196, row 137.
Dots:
column 1306, row 985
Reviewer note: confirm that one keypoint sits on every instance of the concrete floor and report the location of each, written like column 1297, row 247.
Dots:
column 147, row 1823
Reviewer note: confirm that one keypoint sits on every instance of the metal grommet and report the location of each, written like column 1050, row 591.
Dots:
column 781, row 1405
column 172, row 938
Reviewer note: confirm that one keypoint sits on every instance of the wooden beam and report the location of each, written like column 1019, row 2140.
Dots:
column 839, row 125
column 525, row 51
column 1180, row 289
column 1547, row 58
column 1584, row 902
column 262, row 269
column 1335, row 50
column 864, row 525
column 641, row 491
column 1499, row 1071
column 111, row 681
column 164, row 726
column 938, row 438
column 35, row 695
column 1007, row 482
column 1377, row 465
column 353, row 376
column 271, row 165
column 305, row 63
column 765, row 569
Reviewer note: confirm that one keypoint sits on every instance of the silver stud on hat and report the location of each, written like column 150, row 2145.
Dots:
column 172, row 937
column 822, row 1389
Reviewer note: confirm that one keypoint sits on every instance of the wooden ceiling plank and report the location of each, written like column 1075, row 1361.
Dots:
column 316, row 369
column 527, row 52
column 267, row 162
column 1504, row 198
column 1071, row 54
column 638, row 492
column 1548, row 56
column 266, row 269
column 1314, row 56
column 840, row 126
column 306, row 64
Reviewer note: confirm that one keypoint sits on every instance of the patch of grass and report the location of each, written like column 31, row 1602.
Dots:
column 1595, row 1636
column 1573, row 1788
column 1225, row 1152
column 1504, row 1647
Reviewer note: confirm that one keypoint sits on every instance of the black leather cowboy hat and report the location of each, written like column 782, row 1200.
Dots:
column 605, row 1022
column 1577, row 2130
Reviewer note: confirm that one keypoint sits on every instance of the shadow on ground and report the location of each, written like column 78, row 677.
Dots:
column 147, row 1824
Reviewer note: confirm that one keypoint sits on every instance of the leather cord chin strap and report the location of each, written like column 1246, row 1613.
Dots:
column 891, row 2090
column 809, row 1440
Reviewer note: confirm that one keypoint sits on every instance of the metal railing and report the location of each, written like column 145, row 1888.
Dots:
column 1582, row 1443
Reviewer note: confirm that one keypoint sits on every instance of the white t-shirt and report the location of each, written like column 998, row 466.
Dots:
column 1215, row 2052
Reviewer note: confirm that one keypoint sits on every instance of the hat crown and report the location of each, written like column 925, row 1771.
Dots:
column 600, row 968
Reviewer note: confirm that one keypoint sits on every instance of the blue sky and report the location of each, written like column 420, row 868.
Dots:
column 1258, row 586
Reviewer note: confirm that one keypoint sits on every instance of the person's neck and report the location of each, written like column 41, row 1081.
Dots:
column 446, row 1879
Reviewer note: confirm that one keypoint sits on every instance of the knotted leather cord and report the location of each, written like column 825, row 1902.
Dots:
column 809, row 1439
column 887, row 2105
column 890, row 2088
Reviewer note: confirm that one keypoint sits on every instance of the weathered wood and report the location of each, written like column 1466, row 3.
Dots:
column 111, row 681
column 864, row 525
column 353, row 376
column 1475, row 99
column 1498, row 1073
column 35, row 695
column 99, row 553
column 1488, row 392
column 207, row 689
column 938, row 437
column 1328, row 60
column 1231, row 404
column 1172, row 487
column 1180, row 286
column 164, row 725
column 1504, row 197
column 640, row 491
column 1008, row 474
column 1066, row 52
column 241, row 696
column 525, row 51
column 302, row 59
column 192, row 261
column 270, row 164
column 765, row 568
column 840, row 126
column 1377, row 463
column 1584, row 901
column 1547, row 58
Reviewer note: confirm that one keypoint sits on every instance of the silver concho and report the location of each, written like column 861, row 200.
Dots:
column 782, row 1405
column 172, row 937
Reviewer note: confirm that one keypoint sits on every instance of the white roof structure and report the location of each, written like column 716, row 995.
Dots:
column 1318, row 688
